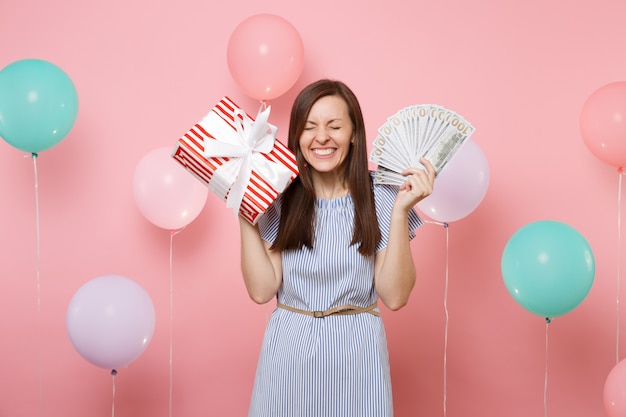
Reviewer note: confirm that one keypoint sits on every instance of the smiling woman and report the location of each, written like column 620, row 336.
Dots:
column 327, row 249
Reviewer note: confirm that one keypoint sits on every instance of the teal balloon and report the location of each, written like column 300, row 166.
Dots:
column 548, row 267
column 38, row 105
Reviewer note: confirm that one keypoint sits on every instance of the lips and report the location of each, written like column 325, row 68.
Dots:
column 323, row 151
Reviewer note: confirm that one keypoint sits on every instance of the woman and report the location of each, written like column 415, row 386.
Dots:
column 328, row 248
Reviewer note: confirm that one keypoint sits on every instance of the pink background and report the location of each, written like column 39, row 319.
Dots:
column 146, row 71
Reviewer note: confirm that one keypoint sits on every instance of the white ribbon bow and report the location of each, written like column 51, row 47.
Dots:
column 244, row 146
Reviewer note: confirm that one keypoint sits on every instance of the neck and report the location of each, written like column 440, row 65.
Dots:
column 330, row 188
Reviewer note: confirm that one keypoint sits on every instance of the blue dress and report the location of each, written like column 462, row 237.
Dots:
column 336, row 365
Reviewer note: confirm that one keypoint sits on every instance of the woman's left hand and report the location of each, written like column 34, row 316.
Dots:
column 419, row 185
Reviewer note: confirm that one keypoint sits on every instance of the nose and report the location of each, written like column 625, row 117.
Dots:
column 322, row 135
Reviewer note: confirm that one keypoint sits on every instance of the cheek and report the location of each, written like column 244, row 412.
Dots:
column 302, row 150
column 305, row 142
column 348, row 142
column 302, row 143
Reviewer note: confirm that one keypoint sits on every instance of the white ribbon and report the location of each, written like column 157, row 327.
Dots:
column 244, row 147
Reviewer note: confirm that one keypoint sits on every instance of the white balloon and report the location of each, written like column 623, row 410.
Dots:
column 460, row 187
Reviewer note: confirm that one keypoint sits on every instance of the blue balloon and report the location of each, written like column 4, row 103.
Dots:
column 38, row 105
column 548, row 268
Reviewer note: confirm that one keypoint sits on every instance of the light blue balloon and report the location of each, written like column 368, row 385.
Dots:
column 38, row 105
column 548, row 267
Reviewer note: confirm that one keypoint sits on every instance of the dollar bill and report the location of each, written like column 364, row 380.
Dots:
column 423, row 130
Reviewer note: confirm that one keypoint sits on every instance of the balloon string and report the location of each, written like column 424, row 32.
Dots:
column 263, row 106
column 113, row 373
column 445, row 337
column 172, row 233
column 545, row 382
column 445, row 308
column 38, row 280
column 619, row 252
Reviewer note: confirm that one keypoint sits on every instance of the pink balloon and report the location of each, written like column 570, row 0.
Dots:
column 460, row 186
column 165, row 192
column 110, row 321
column 603, row 123
column 615, row 391
column 265, row 56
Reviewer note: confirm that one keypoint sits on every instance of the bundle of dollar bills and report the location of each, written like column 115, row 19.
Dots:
column 422, row 130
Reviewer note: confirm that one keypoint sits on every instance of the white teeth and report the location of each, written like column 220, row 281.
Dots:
column 326, row 151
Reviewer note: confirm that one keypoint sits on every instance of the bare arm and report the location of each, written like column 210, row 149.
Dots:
column 395, row 271
column 260, row 266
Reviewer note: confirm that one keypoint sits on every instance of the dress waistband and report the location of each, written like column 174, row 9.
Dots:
column 340, row 311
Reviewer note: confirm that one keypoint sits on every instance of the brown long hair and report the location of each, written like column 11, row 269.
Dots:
column 298, row 206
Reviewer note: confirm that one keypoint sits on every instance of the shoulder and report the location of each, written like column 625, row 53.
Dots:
column 384, row 198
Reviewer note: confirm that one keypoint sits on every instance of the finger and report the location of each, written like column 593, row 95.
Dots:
column 429, row 167
column 420, row 183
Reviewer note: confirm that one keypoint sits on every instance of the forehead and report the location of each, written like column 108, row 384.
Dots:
column 329, row 108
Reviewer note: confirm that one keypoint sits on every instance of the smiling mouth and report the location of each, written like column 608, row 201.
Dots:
column 323, row 152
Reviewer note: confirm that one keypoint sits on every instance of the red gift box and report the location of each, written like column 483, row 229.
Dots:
column 238, row 158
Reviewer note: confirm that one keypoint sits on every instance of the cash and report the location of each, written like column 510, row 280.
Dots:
column 422, row 130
